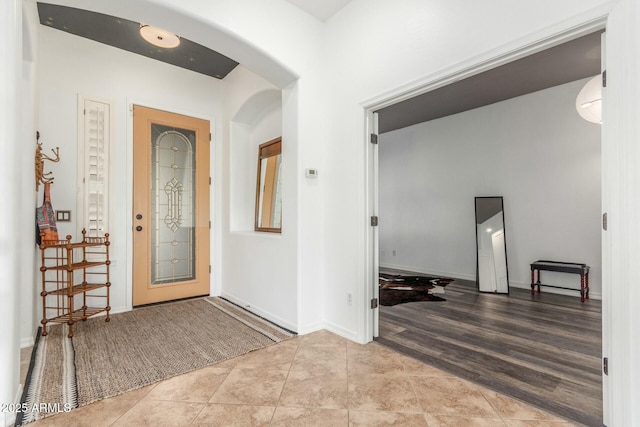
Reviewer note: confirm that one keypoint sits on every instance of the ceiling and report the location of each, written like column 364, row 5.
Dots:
column 125, row 34
column 320, row 9
column 574, row 60
column 568, row 62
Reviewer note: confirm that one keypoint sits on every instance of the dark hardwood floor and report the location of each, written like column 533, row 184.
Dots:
column 544, row 349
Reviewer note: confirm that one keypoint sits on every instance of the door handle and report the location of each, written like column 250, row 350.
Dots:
column 139, row 228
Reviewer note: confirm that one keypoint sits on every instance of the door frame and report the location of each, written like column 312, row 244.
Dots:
column 129, row 188
column 533, row 43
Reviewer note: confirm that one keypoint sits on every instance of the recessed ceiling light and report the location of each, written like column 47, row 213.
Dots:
column 159, row 37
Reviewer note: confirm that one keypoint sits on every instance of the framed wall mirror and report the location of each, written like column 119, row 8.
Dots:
column 269, row 186
column 491, row 263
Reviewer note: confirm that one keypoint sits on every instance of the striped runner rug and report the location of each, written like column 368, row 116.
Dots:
column 135, row 349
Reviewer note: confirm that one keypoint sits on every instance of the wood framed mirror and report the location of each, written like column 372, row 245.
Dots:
column 268, row 187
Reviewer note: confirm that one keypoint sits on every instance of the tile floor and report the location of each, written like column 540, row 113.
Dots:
column 318, row 379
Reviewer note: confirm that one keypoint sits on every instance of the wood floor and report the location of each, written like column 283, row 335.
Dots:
column 544, row 349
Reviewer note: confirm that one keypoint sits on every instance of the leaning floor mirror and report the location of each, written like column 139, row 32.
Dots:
column 491, row 262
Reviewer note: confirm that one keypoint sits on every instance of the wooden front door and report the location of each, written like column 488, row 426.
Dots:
column 170, row 206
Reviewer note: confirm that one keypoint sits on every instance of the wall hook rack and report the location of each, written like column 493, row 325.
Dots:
column 41, row 176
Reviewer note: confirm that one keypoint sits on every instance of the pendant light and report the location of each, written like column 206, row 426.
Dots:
column 589, row 100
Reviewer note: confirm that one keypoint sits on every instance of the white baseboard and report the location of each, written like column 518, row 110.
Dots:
column 519, row 285
column 344, row 333
column 567, row 292
column 10, row 417
column 431, row 272
column 261, row 312
column 29, row 341
column 116, row 310
column 314, row 327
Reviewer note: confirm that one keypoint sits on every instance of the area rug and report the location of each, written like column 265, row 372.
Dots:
column 138, row 348
column 400, row 289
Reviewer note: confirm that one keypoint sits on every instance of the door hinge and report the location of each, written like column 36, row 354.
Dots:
column 604, row 78
column 374, row 303
column 209, row 180
column 209, row 268
column 209, row 225
column 374, row 221
column 374, row 138
column 605, row 365
column 209, row 136
column 604, row 221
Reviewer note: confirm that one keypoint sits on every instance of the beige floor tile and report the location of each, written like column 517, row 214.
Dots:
column 374, row 392
column 312, row 417
column 535, row 423
column 509, row 408
column 461, row 421
column 196, row 386
column 139, row 393
column 315, row 389
column 323, row 338
column 228, row 364
column 160, row 413
column 102, row 413
column 320, row 358
column 277, row 357
column 220, row 415
column 373, row 359
column 315, row 380
column 251, row 387
column 449, row 395
column 384, row 419
column 414, row 367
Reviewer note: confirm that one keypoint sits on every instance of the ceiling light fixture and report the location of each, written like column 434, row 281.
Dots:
column 159, row 37
column 589, row 100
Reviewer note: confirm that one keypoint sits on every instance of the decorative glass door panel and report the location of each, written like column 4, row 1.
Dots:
column 171, row 206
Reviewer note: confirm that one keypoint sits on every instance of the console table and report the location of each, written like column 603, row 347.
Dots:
column 562, row 267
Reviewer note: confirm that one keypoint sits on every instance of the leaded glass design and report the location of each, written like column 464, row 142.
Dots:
column 172, row 205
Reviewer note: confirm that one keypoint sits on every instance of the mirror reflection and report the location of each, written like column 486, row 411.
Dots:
column 269, row 185
column 491, row 272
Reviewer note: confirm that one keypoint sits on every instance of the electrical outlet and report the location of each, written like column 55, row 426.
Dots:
column 349, row 298
column 63, row 216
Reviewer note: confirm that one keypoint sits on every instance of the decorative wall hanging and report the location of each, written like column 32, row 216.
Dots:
column 45, row 218
column 41, row 176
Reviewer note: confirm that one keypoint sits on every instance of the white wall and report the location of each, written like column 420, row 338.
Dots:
column 269, row 287
column 70, row 66
column 10, row 106
column 533, row 150
column 30, row 288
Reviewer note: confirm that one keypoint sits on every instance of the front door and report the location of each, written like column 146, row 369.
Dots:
column 170, row 206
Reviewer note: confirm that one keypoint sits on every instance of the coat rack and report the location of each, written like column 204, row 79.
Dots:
column 41, row 176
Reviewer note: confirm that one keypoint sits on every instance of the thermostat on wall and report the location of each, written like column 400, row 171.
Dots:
column 311, row 173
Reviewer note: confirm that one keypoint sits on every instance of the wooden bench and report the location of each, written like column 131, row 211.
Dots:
column 562, row 267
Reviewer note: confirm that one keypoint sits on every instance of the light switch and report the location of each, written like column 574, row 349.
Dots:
column 63, row 216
